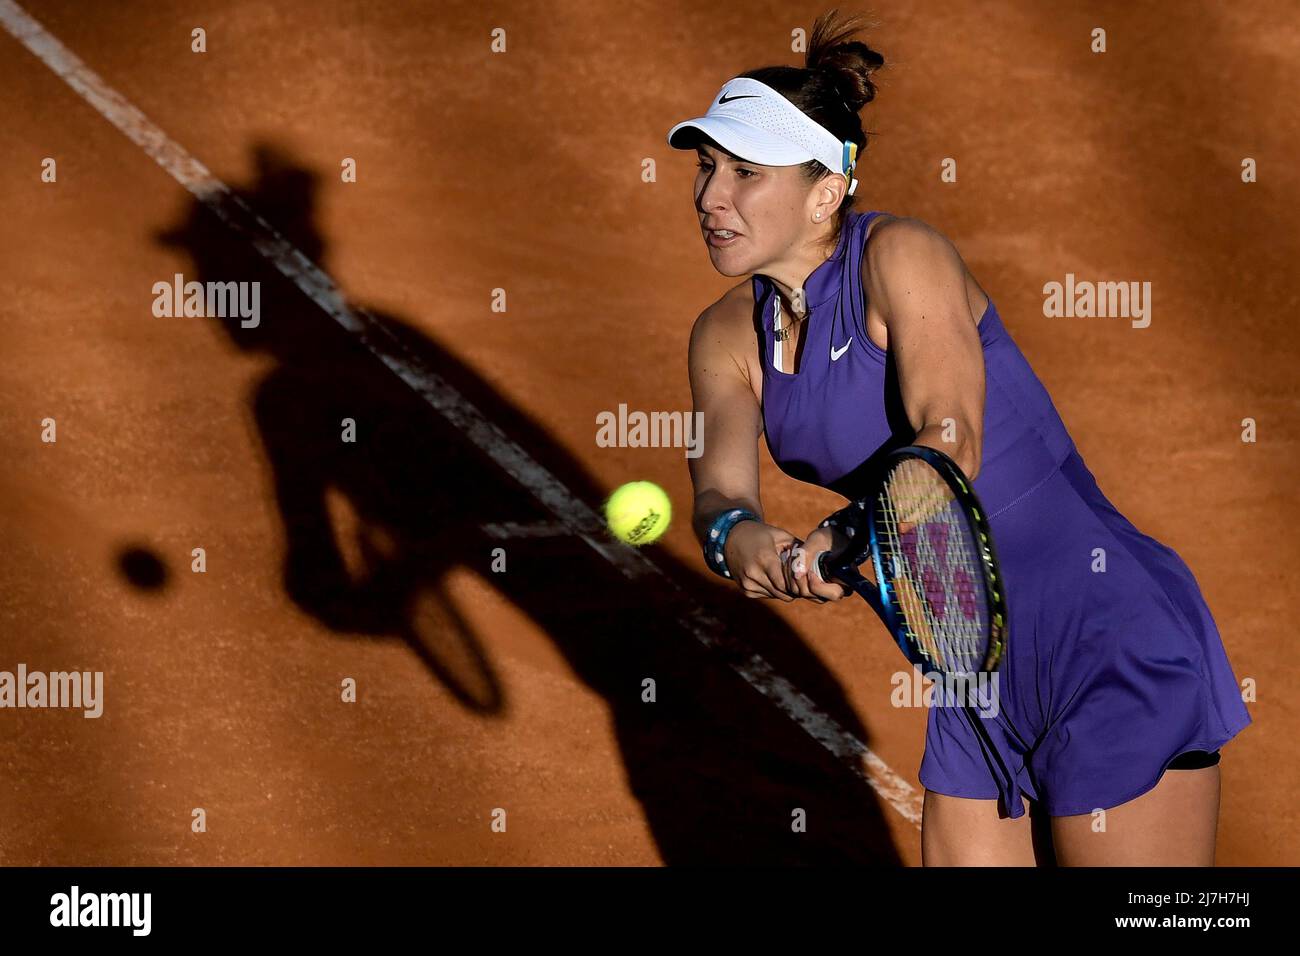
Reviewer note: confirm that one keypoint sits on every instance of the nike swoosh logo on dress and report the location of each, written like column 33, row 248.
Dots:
column 837, row 352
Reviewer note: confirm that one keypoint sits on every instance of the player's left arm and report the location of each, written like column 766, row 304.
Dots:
column 919, row 281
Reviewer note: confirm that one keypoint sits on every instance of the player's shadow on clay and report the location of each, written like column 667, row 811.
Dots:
column 374, row 527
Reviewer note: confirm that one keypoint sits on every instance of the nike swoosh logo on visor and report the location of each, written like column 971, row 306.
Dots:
column 744, row 96
column 837, row 352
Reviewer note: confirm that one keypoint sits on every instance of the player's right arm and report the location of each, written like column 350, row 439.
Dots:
column 725, row 475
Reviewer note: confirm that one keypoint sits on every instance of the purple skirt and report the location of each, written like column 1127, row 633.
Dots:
column 1108, row 674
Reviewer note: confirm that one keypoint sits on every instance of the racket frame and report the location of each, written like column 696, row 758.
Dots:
column 881, row 595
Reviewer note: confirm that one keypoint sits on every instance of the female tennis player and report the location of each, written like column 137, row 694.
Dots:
column 856, row 333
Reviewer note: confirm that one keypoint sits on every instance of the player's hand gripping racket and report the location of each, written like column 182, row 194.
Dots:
column 937, row 583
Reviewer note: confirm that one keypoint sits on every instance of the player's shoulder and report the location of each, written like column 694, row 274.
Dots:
column 892, row 237
column 730, row 318
column 903, row 244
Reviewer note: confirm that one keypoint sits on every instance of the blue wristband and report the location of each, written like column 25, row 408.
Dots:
column 715, row 541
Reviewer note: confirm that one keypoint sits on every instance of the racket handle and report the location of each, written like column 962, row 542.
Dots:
column 851, row 580
column 843, row 577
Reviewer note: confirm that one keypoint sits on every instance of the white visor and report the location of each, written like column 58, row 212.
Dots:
column 753, row 121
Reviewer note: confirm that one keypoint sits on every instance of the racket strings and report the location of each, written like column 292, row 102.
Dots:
column 933, row 564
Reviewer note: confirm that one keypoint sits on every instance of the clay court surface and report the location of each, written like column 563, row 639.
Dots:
column 523, row 171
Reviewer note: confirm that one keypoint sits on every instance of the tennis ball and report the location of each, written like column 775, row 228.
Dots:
column 638, row 512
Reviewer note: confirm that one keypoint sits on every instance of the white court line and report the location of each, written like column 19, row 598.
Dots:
column 580, row 519
column 513, row 529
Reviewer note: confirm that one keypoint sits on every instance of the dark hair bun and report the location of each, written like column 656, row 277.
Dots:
column 847, row 63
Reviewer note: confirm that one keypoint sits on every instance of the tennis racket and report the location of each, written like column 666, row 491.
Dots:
column 937, row 586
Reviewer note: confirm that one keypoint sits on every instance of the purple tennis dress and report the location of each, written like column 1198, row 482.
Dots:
column 1108, row 675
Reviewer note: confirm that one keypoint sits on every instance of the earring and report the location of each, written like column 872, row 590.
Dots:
column 818, row 216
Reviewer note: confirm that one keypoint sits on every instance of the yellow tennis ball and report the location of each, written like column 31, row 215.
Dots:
column 638, row 512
